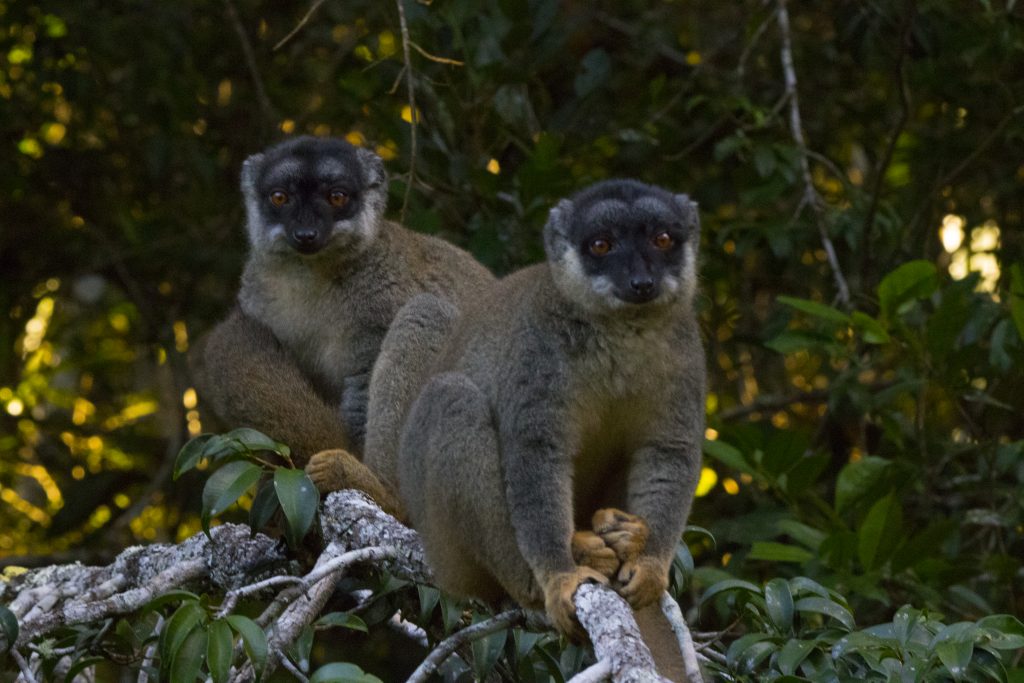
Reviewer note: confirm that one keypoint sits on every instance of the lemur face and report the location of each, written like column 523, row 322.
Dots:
column 307, row 194
column 622, row 244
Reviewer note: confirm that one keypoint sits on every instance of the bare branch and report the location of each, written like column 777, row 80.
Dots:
column 670, row 608
column 449, row 645
column 612, row 628
column 269, row 114
column 814, row 199
column 435, row 58
column 26, row 670
column 299, row 26
column 596, row 673
column 413, row 117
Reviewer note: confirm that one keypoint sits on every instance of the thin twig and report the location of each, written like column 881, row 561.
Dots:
column 447, row 646
column 404, row 28
column 269, row 114
column 674, row 615
column 293, row 670
column 26, row 670
column 797, row 130
column 398, row 624
column 299, row 26
column 435, row 58
column 741, row 65
column 147, row 659
column 601, row 671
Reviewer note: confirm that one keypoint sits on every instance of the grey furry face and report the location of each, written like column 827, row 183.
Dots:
column 621, row 244
column 307, row 194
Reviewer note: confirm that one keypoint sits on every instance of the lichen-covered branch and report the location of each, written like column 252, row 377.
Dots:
column 237, row 563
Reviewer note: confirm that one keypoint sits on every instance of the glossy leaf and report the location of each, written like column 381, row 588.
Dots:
column 912, row 280
column 299, row 499
column 219, row 650
column 226, row 485
column 779, row 604
column 8, row 627
column 342, row 620
column 342, row 672
column 828, row 608
column 253, row 638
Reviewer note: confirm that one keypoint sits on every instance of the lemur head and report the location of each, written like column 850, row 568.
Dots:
column 309, row 194
column 621, row 244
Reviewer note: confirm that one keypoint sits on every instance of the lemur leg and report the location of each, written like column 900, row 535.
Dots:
column 246, row 377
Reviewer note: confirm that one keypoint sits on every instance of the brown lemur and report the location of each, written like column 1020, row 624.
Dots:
column 325, row 276
column 569, row 396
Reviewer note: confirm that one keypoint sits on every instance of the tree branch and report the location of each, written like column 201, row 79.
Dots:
column 411, row 94
column 811, row 195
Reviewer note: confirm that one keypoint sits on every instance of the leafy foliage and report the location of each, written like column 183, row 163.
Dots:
column 873, row 447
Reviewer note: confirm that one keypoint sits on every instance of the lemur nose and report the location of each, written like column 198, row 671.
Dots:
column 642, row 285
column 306, row 235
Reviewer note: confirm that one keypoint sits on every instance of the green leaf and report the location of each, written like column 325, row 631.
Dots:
column 857, row 479
column 225, row 486
column 81, row 665
column 791, row 341
column 793, row 653
column 739, row 652
column 871, row 331
column 487, row 650
column 828, row 608
column 778, row 601
column 178, row 627
column 219, row 651
column 778, row 552
column 729, row 585
column 429, row 597
column 815, row 309
column 727, row 455
column 1017, row 297
column 342, row 672
column 187, row 660
column 299, row 500
column 912, row 280
column 801, row 584
column 253, row 440
column 8, row 627
column 264, row 505
column 254, row 639
column 954, row 645
column 190, row 454
column 880, row 533
column 169, row 597
column 300, row 649
column 343, row 620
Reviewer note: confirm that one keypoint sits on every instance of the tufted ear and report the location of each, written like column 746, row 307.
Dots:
column 688, row 208
column 250, row 174
column 556, row 230
column 373, row 167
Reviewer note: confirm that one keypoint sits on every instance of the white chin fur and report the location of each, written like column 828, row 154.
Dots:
column 591, row 293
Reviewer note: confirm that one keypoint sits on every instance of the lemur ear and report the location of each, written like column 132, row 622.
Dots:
column 556, row 230
column 688, row 208
column 250, row 173
column 373, row 167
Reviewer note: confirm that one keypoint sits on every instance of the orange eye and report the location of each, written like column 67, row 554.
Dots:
column 663, row 241
column 278, row 198
column 337, row 198
column 599, row 246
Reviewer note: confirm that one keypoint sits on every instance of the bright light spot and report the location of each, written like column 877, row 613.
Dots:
column 693, row 58
column 708, row 479
column 493, row 167
column 363, row 53
column 730, row 486
column 224, row 92
column 122, row 501
column 15, row 407
column 180, row 336
column 78, row 472
column 988, row 266
column 119, row 321
column 356, row 138
column 386, row 44
column 781, row 419
column 985, row 237
column 189, row 399
column 725, row 559
column 19, row 54
column 407, row 114
column 958, row 265
column 386, row 152
column 322, row 130
column 952, row 232
column 287, row 126
column 710, row 434
column 855, row 454
column 53, row 133
column 30, row 147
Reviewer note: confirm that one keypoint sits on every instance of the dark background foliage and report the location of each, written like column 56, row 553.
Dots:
column 874, row 445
